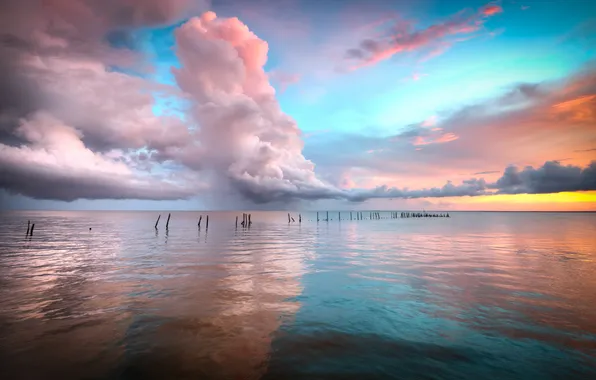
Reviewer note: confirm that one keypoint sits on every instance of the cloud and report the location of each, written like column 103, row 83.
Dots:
column 401, row 37
column 487, row 172
column 425, row 133
column 245, row 139
column 491, row 9
column 57, row 165
column 471, row 187
column 552, row 177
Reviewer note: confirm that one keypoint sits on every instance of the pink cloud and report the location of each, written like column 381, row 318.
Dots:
column 439, row 138
column 245, row 138
column 491, row 10
column 371, row 51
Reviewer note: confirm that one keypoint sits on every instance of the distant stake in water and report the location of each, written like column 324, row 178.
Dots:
column 156, row 223
column 236, row 221
column 317, row 216
column 28, row 226
column 32, row 228
column 289, row 219
column 207, row 224
column 168, row 221
column 200, row 218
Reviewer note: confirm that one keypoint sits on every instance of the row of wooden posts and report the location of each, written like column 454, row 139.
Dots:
column 247, row 218
column 199, row 224
column 247, row 221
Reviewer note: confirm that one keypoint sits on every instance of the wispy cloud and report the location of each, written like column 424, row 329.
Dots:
column 401, row 37
column 492, row 9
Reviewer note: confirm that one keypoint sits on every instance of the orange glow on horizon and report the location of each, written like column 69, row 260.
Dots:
column 570, row 201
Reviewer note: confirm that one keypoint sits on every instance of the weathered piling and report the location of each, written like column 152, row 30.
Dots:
column 28, row 226
column 299, row 218
column 317, row 216
column 200, row 218
column 207, row 223
column 249, row 221
column 157, row 222
column 236, row 221
column 168, row 221
column 289, row 219
column 32, row 228
column 327, row 216
column 350, row 215
column 339, row 216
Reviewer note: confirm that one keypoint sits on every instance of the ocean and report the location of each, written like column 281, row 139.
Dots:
column 104, row 295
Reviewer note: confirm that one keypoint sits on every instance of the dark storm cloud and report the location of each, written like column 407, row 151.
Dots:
column 38, row 183
column 552, row 177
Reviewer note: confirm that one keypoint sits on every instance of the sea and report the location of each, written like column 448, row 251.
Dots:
column 478, row 295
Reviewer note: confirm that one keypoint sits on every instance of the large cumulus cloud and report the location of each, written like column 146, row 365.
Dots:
column 244, row 136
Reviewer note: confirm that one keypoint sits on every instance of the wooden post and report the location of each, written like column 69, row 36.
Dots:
column 156, row 223
column 200, row 218
column 339, row 216
column 32, row 228
column 207, row 224
column 236, row 221
column 289, row 220
column 249, row 221
column 168, row 221
column 350, row 215
column 28, row 226
column 317, row 216
column 327, row 215
column 299, row 218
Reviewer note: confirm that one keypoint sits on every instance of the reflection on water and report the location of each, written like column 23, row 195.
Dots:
column 493, row 295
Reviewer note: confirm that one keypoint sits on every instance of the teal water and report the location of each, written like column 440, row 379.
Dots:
column 474, row 296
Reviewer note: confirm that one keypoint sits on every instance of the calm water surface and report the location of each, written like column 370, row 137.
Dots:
column 476, row 296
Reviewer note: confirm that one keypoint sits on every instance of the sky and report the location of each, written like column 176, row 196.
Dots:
column 298, row 104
